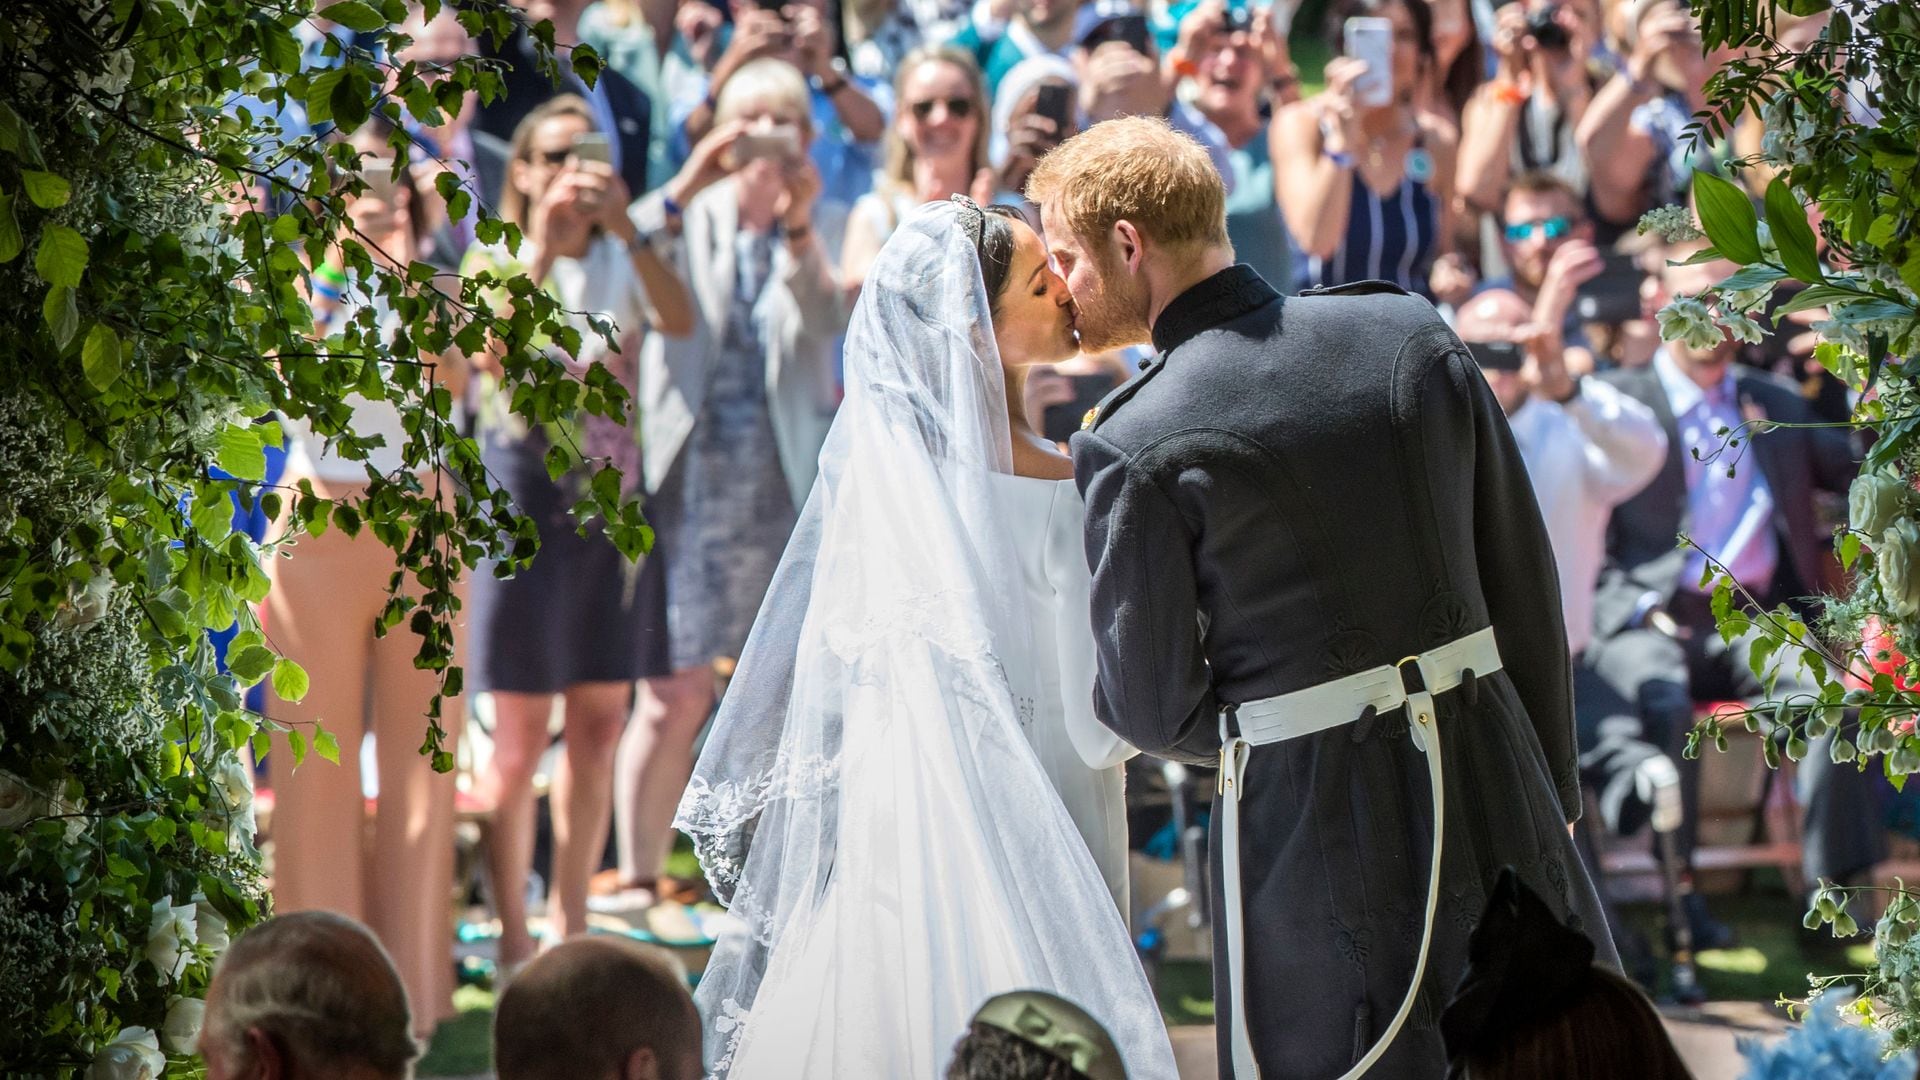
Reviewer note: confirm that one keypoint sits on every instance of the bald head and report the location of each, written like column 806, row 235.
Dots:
column 307, row 995
column 1494, row 315
column 1497, row 315
column 598, row 1008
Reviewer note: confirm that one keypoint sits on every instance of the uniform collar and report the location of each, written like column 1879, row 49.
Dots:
column 1223, row 297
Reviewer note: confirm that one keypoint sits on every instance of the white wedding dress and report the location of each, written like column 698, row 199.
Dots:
column 1053, row 682
column 896, row 802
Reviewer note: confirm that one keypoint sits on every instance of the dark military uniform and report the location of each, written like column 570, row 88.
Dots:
column 1297, row 490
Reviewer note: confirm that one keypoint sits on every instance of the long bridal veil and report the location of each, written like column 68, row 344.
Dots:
column 867, row 805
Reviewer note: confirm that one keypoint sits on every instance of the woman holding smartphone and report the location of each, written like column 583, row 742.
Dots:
column 580, row 624
column 1365, row 171
column 732, row 419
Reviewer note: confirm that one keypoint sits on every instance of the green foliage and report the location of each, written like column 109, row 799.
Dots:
column 1840, row 123
column 155, row 315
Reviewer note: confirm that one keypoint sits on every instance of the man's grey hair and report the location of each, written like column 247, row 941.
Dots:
column 322, row 986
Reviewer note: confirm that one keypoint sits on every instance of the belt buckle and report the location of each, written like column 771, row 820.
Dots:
column 1401, row 667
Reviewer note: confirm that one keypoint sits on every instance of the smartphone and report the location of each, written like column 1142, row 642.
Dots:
column 1371, row 40
column 1613, row 295
column 1131, row 29
column 1055, row 103
column 1059, row 422
column 782, row 142
column 593, row 146
column 1496, row 355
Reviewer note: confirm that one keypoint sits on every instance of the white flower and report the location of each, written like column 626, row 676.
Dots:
column 209, row 925
column 88, row 605
column 170, row 938
column 1745, row 299
column 1843, row 333
column 19, row 803
column 1742, row 326
column 1875, row 501
column 1686, row 319
column 134, row 1054
column 72, row 822
column 233, row 784
column 1898, row 559
column 1674, row 224
column 181, row 1031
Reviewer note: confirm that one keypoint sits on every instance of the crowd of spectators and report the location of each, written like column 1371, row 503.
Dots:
column 719, row 192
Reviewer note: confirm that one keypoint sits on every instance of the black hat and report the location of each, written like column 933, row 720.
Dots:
column 1523, row 964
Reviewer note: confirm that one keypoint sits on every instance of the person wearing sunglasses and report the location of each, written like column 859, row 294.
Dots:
column 1547, row 241
column 936, row 147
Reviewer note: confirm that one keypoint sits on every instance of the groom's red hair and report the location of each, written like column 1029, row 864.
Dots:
column 1137, row 169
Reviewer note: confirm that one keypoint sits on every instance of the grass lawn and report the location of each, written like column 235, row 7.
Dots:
column 1768, row 963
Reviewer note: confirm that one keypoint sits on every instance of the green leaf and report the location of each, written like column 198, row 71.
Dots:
column 251, row 663
column 297, row 742
column 279, row 52
column 238, row 452
column 100, row 356
column 289, row 680
column 48, row 192
column 62, row 314
column 10, row 240
column 1849, row 549
column 1728, row 218
column 325, row 745
column 1787, row 220
column 1817, row 296
column 354, row 15
column 1752, row 277
column 61, row 257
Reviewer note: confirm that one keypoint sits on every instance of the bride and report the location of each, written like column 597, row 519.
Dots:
column 906, row 802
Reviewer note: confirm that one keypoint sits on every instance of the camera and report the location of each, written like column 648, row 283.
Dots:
column 1544, row 25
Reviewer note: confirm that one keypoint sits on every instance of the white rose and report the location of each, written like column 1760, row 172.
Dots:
column 210, row 925
column 134, row 1054
column 181, row 1031
column 18, row 802
column 72, row 821
column 1899, row 572
column 1874, row 502
column 170, row 938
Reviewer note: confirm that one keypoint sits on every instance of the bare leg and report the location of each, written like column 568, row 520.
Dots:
column 519, row 738
column 655, row 760
column 582, row 798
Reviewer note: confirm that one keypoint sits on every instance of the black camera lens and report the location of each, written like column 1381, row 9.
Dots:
column 1546, row 29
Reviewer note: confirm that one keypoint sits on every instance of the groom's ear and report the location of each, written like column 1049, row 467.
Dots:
column 1127, row 240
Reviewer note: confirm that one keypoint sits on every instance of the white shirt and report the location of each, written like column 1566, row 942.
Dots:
column 1584, row 458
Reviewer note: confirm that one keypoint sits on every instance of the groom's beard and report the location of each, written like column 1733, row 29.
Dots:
column 1115, row 317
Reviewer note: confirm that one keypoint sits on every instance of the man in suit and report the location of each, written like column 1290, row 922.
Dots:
column 622, row 111
column 1296, row 506
column 1751, row 509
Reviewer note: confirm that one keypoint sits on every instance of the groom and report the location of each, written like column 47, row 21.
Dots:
column 1317, row 564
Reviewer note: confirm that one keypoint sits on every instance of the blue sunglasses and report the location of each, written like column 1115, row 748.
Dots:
column 1553, row 228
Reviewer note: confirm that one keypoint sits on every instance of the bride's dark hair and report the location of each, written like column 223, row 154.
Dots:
column 995, row 247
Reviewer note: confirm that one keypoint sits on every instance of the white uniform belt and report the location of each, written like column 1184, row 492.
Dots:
column 1319, row 708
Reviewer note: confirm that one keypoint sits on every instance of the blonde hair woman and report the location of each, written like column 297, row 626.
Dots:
column 732, row 419
column 936, row 147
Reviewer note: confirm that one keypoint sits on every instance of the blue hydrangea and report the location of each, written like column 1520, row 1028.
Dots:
column 1830, row 1045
